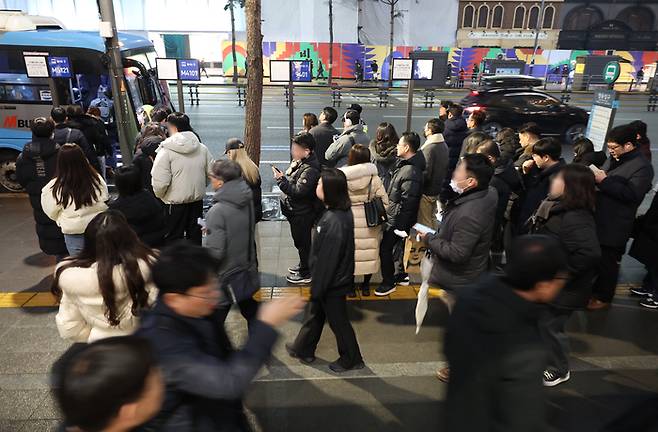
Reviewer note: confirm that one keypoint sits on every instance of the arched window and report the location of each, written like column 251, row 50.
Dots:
column 549, row 14
column 497, row 16
column 639, row 18
column 533, row 17
column 582, row 18
column 469, row 14
column 483, row 16
column 519, row 17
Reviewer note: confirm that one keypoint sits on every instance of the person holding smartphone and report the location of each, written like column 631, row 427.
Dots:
column 299, row 203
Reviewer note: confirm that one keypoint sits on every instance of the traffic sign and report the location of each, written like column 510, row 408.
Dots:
column 611, row 72
column 60, row 67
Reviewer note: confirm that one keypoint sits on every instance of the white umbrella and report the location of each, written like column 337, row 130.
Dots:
column 421, row 305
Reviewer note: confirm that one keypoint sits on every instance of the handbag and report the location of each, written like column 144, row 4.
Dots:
column 241, row 283
column 374, row 209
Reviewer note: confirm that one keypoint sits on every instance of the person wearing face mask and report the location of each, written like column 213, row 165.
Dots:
column 537, row 175
column 461, row 245
column 337, row 153
column 622, row 184
column 299, row 203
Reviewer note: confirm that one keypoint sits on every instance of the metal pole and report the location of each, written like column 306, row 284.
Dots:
column 181, row 100
column 291, row 112
column 410, row 103
column 106, row 9
column 540, row 18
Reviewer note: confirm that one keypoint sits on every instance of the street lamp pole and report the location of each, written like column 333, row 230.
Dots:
column 540, row 20
column 108, row 30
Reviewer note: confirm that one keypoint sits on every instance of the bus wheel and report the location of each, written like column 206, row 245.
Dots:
column 8, row 181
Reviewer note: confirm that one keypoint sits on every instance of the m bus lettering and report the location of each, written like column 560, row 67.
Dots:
column 10, row 122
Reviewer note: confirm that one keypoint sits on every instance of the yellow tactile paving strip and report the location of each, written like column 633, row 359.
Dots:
column 44, row 299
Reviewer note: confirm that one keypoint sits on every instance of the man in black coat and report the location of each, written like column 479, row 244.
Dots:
column 624, row 181
column 299, row 203
column 35, row 167
column 68, row 134
column 205, row 378
column 454, row 133
column 324, row 133
column 537, row 174
column 493, row 345
column 644, row 250
column 404, row 194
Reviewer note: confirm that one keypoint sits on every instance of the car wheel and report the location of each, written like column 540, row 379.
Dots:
column 492, row 128
column 8, row 181
column 574, row 132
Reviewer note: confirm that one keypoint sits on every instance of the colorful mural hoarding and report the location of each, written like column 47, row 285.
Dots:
column 547, row 64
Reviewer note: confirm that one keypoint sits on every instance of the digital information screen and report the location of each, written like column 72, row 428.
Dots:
column 423, row 69
column 60, row 67
column 189, row 70
column 167, row 68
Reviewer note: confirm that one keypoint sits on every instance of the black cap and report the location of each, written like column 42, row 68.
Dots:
column 356, row 107
column 233, row 144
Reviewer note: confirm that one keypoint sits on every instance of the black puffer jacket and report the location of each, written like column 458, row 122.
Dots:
column 405, row 191
column 454, row 134
column 332, row 255
column 146, row 216
column 257, row 194
column 576, row 231
column 384, row 156
column 90, row 129
column 537, row 184
column 645, row 245
column 506, row 180
column 64, row 134
column 35, row 167
column 298, row 187
column 619, row 196
column 143, row 160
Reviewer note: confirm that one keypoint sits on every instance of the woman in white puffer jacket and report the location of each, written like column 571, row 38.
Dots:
column 103, row 290
column 74, row 196
column 364, row 184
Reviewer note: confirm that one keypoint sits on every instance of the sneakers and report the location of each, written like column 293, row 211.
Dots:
column 384, row 290
column 553, row 378
column 641, row 291
column 649, row 302
column 294, row 269
column 337, row 368
column 443, row 374
column 402, row 279
column 299, row 279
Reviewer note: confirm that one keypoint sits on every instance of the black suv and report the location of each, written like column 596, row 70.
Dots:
column 514, row 106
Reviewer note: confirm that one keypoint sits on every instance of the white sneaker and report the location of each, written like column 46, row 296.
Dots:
column 552, row 378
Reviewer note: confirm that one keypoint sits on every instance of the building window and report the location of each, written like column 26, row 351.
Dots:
column 469, row 14
column 497, row 16
column 638, row 18
column 582, row 18
column 483, row 16
column 549, row 14
column 533, row 17
column 519, row 17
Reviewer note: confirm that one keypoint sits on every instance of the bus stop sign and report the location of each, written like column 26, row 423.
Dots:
column 611, row 72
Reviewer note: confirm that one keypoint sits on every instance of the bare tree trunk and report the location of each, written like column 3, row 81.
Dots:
column 235, row 58
column 390, row 45
column 331, row 41
column 254, row 103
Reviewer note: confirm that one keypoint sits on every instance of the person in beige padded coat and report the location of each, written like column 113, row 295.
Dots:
column 364, row 184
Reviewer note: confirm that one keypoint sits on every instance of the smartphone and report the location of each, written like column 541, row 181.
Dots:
column 594, row 168
column 275, row 168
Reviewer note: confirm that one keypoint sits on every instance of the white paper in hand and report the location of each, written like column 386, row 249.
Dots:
column 399, row 233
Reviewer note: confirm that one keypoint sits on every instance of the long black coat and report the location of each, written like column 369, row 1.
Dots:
column 332, row 255
column 146, row 216
column 619, row 196
column 454, row 133
column 404, row 192
column 496, row 358
column 35, row 167
column 205, row 378
column 576, row 231
column 537, row 183
column 645, row 245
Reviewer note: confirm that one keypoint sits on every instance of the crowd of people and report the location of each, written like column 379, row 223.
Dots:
column 519, row 239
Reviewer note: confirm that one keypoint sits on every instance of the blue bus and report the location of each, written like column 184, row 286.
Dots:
column 23, row 98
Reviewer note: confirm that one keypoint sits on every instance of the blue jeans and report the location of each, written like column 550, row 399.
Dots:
column 74, row 243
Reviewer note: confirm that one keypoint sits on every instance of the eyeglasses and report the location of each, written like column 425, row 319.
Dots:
column 614, row 147
column 208, row 298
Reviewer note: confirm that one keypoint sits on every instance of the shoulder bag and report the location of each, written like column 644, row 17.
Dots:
column 374, row 208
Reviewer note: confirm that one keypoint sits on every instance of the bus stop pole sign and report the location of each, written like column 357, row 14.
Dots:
column 611, row 72
column 604, row 107
column 178, row 70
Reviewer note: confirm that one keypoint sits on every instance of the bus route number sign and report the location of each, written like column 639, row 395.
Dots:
column 60, row 67
column 189, row 70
